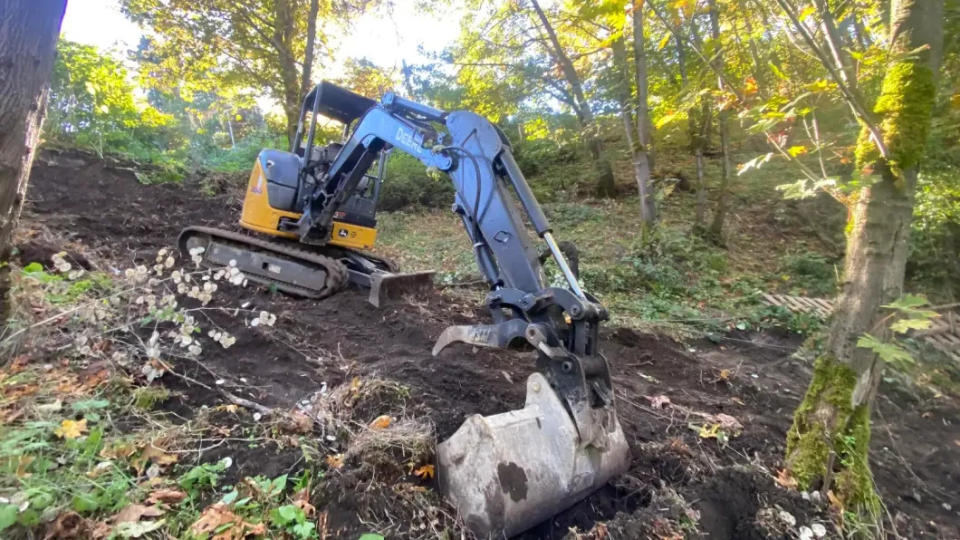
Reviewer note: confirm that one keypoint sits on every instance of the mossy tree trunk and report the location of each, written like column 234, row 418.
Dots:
column 828, row 444
column 28, row 40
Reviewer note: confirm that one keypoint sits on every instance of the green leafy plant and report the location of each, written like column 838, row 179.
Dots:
column 202, row 477
column 908, row 313
column 293, row 520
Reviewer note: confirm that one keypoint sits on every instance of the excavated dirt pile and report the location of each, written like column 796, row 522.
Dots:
column 688, row 478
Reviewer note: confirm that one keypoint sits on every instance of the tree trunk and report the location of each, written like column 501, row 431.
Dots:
column 28, row 44
column 283, row 32
column 233, row 140
column 716, row 227
column 605, row 184
column 305, row 81
column 643, row 156
column 638, row 154
column 699, row 137
column 829, row 441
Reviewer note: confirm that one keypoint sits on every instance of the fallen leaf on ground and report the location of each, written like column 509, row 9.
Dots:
column 335, row 461
column 99, row 469
column 96, row 378
column 709, row 431
column 424, row 472
column 135, row 512
column 154, row 455
column 137, row 529
column 23, row 462
column 71, row 429
column 298, row 422
column 786, row 479
column 381, row 422
column 118, row 451
column 16, row 393
column 166, row 495
column 72, row 525
column 729, row 423
column 835, row 502
column 301, row 500
column 220, row 522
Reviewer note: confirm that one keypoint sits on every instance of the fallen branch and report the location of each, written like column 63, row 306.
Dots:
column 237, row 400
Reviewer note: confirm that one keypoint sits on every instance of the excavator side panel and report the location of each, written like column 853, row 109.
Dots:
column 352, row 236
column 258, row 215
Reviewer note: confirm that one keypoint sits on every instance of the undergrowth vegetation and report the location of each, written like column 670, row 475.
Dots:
column 89, row 448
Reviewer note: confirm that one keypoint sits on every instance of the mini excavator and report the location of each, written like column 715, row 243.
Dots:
column 314, row 208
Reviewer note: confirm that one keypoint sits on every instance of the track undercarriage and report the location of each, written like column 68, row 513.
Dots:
column 300, row 269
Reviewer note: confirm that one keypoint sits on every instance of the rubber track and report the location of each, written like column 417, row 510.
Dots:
column 336, row 271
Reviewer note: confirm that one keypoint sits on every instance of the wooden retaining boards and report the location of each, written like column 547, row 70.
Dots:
column 943, row 334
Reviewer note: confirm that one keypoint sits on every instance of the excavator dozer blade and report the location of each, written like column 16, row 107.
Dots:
column 508, row 472
column 386, row 285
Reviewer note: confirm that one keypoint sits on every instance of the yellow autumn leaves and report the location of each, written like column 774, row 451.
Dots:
column 71, row 429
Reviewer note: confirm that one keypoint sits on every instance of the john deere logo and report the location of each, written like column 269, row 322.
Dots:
column 343, row 233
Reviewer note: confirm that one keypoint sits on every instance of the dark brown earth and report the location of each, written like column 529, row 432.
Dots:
column 678, row 483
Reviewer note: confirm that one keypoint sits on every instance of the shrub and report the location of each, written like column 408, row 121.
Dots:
column 809, row 273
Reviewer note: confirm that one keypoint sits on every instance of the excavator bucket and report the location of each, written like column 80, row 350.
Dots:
column 387, row 285
column 508, row 472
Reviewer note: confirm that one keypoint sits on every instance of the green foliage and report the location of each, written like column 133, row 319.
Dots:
column 202, row 477
column 237, row 159
column 908, row 314
column 44, row 472
column 60, row 290
column 293, row 520
column 887, row 351
column 147, row 397
column 809, row 273
column 407, row 185
column 92, row 104
column 934, row 263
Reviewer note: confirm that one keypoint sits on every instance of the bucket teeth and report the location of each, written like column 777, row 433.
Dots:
column 508, row 472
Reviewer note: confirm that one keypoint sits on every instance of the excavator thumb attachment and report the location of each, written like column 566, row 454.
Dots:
column 386, row 285
column 507, row 472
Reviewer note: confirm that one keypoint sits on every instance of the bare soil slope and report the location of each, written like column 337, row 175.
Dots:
column 679, row 482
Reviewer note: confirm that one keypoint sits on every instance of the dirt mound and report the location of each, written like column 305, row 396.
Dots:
column 102, row 204
column 687, row 477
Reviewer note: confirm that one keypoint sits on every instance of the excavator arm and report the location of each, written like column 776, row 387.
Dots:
column 502, row 478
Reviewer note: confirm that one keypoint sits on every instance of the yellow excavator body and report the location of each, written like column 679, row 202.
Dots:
column 259, row 216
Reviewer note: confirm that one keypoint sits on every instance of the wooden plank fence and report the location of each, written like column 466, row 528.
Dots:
column 943, row 334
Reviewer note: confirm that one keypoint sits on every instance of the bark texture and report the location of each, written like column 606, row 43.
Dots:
column 828, row 443
column 720, row 215
column 643, row 151
column 28, row 40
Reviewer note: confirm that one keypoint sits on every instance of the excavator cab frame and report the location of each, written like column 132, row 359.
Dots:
column 336, row 103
